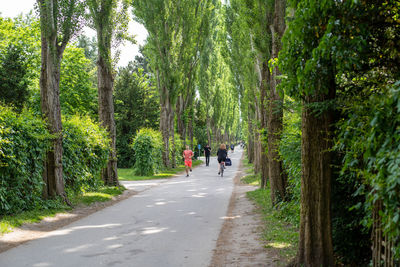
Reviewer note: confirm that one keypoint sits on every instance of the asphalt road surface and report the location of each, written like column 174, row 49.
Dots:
column 173, row 222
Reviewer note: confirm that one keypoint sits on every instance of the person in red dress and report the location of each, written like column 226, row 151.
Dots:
column 188, row 154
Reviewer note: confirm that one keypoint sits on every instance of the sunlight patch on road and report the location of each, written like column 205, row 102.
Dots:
column 230, row 217
column 111, row 238
column 115, row 246
column 75, row 249
column 152, row 230
column 160, row 203
column 200, row 195
column 42, row 264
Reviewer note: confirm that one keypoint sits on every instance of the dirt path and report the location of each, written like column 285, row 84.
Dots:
column 239, row 243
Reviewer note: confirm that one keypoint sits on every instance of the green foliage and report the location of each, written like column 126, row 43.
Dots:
column 136, row 106
column 77, row 93
column 86, row 150
column 13, row 77
column 178, row 146
column 24, row 141
column 147, row 147
column 370, row 142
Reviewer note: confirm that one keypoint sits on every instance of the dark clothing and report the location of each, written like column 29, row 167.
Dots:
column 207, row 152
column 221, row 154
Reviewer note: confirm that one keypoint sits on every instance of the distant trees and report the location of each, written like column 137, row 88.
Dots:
column 136, row 106
column 13, row 76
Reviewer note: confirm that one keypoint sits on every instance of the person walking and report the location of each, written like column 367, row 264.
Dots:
column 207, row 152
column 222, row 153
column 188, row 154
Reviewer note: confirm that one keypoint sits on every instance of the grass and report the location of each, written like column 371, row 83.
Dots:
column 279, row 235
column 129, row 174
column 252, row 179
column 52, row 207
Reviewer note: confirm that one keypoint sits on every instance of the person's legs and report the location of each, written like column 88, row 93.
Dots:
column 187, row 168
column 207, row 160
column 190, row 164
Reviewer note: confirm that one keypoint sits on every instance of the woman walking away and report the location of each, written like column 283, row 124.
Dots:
column 207, row 152
column 221, row 155
column 188, row 154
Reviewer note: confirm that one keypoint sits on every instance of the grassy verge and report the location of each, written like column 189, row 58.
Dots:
column 252, row 179
column 280, row 236
column 52, row 207
column 129, row 174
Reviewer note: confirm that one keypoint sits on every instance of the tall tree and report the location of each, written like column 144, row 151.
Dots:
column 275, row 108
column 311, row 78
column 59, row 21
column 109, row 23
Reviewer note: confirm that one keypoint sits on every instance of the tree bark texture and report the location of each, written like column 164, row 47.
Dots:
column 51, row 55
column 105, row 81
column 164, row 123
column 251, row 137
column 51, row 110
column 275, row 110
column 263, row 122
column 315, row 244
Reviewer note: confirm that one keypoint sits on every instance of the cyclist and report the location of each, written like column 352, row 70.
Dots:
column 221, row 156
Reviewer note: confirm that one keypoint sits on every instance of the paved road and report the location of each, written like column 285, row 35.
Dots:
column 172, row 222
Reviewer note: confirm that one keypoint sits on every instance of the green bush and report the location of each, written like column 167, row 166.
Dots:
column 24, row 140
column 86, row 149
column 179, row 147
column 148, row 147
column 290, row 153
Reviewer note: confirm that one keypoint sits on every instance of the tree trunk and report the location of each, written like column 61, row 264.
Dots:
column 257, row 148
column 105, row 81
column 315, row 244
column 275, row 112
column 172, row 135
column 164, row 124
column 250, row 141
column 51, row 111
column 208, row 130
column 263, row 122
column 180, row 120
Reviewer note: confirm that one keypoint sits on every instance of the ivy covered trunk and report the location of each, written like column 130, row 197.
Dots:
column 263, row 121
column 51, row 111
column 315, row 243
column 275, row 109
column 106, row 116
column 250, row 140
